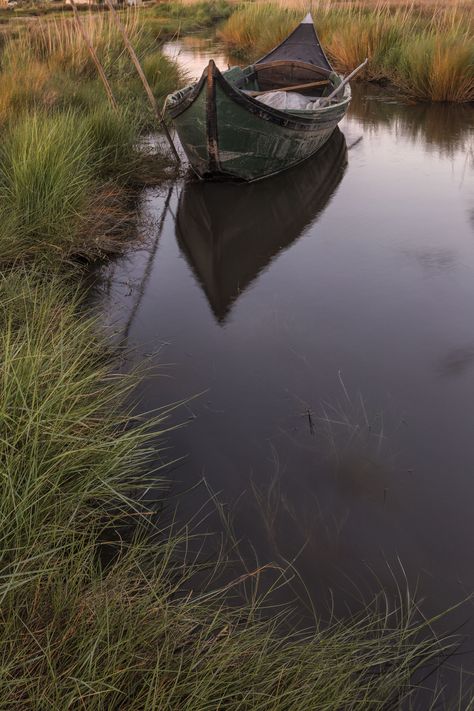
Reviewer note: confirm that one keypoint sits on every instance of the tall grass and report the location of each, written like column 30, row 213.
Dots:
column 47, row 64
column 429, row 56
column 65, row 443
column 56, row 198
column 136, row 632
column 46, row 176
column 58, row 42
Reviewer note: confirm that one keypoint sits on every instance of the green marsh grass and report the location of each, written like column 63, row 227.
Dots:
column 428, row 55
column 46, row 176
column 113, row 135
column 57, row 195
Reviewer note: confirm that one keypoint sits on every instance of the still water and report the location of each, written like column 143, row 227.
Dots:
column 324, row 320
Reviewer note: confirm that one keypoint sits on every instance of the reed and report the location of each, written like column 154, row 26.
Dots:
column 23, row 88
column 428, row 55
column 438, row 68
column 47, row 64
column 256, row 28
column 57, row 42
column 65, row 155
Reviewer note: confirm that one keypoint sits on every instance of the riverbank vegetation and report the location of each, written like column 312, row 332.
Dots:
column 426, row 52
column 46, row 63
column 70, row 162
column 424, row 49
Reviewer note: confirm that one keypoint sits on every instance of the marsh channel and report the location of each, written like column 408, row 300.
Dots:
column 318, row 328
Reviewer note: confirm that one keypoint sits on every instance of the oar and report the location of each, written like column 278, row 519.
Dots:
column 289, row 88
column 325, row 99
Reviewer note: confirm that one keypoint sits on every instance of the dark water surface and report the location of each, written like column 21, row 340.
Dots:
column 326, row 316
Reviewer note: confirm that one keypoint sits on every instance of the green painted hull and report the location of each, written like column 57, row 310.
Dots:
column 227, row 134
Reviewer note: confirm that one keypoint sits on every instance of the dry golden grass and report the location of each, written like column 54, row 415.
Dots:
column 304, row 5
column 58, row 41
column 428, row 55
column 23, row 86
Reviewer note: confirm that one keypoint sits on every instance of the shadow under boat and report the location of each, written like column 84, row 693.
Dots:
column 230, row 233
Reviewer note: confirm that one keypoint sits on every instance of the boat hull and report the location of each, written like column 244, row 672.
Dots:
column 229, row 135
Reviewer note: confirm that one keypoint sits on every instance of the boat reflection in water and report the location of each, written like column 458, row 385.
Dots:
column 231, row 232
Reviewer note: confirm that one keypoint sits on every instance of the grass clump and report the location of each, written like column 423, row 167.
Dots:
column 46, row 175
column 57, row 196
column 113, row 136
column 256, row 28
column 438, row 68
column 65, row 445
column 428, row 55
column 162, row 74
column 137, row 632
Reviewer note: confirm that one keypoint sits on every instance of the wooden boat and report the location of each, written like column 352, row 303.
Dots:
column 228, row 133
column 216, row 222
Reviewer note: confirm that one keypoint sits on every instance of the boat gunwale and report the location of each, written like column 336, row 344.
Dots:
column 290, row 120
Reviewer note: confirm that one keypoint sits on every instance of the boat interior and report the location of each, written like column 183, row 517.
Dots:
column 308, row 80
column 280, row 75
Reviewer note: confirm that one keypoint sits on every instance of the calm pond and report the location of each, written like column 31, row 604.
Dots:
column 325, row 321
